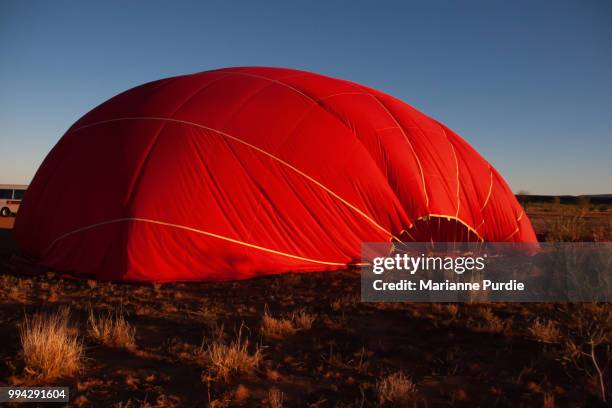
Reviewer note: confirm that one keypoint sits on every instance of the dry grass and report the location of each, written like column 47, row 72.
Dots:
column 132, row 403
column 111, row 329
column 50, row 347
column 568, row 227
column 485, row 313
column 548, row 400
column 337, row 304
column 209, row 315
column 545, row 331
column 450, row 309
column 279, row 327
column 241, row 394
column 490, row 322
column 226, row 360
column 275, row 398
column 495, row 325
column 396, row 388
column 344, row 302
column 303, row 320
column 276, row 327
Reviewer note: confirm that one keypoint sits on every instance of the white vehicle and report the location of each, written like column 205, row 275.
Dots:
column 10, row 198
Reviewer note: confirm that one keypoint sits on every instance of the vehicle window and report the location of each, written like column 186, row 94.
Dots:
column 6, row 194
column 18, row 195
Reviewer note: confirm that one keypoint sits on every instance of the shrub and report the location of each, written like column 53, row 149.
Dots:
column 587, row 346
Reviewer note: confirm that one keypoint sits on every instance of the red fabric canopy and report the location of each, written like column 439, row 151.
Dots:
column 239, row 172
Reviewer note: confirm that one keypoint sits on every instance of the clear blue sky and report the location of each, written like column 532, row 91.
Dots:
column 528, row 84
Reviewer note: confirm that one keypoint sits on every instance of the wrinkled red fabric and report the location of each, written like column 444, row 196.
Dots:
column 240, row 172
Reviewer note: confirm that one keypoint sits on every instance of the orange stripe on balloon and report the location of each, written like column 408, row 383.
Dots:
column 207, row 233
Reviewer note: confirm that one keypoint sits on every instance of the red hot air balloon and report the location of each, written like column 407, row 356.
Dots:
column 240, row 172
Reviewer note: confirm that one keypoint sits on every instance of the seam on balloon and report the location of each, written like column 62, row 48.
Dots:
column 227, row 121
column 517, row 226
column 407, row 233
column 490, row 190
column 487, row 198
column 213, row 185
column 451, row 217
column 456, row 168
column 366, row 91
column 354, row 208
column 513, row 234
column 139, row 173
column 275, row 81
column 158, row 134
column 383, row 129
column 458, row 185
column 207, row 233
column 409, row 144
column 343, row 93
column 317, row 102
column 280, row 145
column 403, row 133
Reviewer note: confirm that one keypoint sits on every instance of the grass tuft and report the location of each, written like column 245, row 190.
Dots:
column 276, row 327
column 111, row 329
column 396, row 388
column 545, row 331
column 275, row 398
column 50, row 347
column 225, row 360
column 303, row 320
